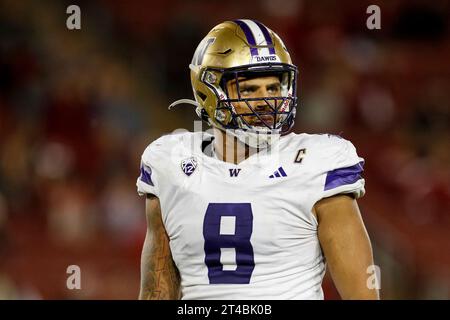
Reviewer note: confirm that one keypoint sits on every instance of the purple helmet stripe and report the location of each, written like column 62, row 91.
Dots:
column 266, row 36
column 249, row 35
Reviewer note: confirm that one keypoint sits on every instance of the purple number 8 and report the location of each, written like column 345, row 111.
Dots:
column 240, row 241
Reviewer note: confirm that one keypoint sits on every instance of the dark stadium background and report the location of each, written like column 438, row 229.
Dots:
column 77, row 108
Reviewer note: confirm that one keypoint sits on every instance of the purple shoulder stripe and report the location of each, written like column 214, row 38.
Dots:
column 343, row 176
column 146, row 175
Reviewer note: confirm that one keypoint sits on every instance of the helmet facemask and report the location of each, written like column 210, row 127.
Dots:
column 264, row 116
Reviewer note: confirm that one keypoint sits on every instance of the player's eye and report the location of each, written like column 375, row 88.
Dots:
column 245, row 91
column 273, row 89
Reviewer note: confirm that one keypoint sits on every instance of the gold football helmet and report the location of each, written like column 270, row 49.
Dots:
column 243, row 49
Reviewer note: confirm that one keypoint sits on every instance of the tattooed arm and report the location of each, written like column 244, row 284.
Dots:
column 160, row 279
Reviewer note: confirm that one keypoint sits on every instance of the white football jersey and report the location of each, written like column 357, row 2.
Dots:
column 247, row 231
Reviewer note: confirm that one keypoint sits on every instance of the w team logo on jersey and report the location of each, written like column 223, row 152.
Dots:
column 188, row 165
column 234, row 172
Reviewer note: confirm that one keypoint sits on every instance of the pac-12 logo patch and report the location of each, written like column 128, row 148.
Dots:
column 188, row 165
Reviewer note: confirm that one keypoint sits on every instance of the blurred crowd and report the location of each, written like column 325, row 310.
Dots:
column 78, row 107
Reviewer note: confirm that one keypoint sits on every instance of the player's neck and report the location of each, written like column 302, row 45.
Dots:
column 230, row 149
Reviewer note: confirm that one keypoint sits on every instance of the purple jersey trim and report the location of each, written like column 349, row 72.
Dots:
column 146, row 175
column 343, row 176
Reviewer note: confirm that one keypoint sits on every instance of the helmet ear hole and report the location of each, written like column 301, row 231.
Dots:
column 201, row 95
column 204, row 115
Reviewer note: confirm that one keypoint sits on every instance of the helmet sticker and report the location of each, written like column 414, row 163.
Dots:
column 201, row 50
column 259, row 59
column 266, row 34
column 257, row 35
column 248, row 35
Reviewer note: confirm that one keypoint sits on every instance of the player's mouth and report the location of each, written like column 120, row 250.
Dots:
column 263, row 121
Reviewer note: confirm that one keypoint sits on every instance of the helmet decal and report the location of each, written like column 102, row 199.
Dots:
column 201, row 50
column 249, row 36
column 266, row 36
column 257, row 35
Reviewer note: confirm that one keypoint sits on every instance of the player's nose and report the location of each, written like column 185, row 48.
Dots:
column 261, row 107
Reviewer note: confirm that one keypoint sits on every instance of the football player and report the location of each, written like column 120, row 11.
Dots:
column 251, row 211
